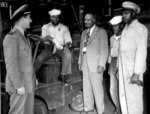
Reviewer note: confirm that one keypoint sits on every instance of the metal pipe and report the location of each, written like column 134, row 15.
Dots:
column 35, row 52
column 109, row 9
column 80, row 28
column 10, row 11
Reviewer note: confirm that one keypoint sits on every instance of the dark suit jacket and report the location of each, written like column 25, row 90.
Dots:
column 97, row 49
column 18, row 59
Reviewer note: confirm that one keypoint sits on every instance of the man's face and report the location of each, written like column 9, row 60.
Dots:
column 116, row 28
column 54, row 19
column 26, row 21
column 89, row 20
column 127, row 16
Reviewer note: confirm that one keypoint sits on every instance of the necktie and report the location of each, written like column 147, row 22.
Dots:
column 87, row 38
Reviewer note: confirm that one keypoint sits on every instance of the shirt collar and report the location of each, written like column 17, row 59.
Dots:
column 55, row 26
column 20, row 29
column 91, row 30
column 132, row 23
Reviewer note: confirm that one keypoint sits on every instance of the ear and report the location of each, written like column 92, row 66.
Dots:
column 133, row 14
column 94, row 20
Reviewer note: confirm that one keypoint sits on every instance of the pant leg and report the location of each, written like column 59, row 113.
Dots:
column 114, row 92
column 17, row 103
column 114, row 84
column 134, row 98
column 65, row 56
column 113, row 89
column 131, row 96
column 98, row 90
column 29, row 106
column 87, row 89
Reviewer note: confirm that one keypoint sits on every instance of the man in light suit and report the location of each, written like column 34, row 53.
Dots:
column 20, row 76
column 92, row 59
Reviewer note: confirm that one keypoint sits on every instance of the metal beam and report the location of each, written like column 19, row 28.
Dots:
column 0, row 27
column 0, row 41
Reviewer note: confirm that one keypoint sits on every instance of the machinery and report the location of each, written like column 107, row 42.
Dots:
column 51, row 93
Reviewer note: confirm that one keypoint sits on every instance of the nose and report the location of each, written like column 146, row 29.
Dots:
column 30, row 20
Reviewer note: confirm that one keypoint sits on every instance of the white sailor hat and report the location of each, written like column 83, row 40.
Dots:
column 23, row 10
column 130, row 5
column 116, row 20
column 54, row 12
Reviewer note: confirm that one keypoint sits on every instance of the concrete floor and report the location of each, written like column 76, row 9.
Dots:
column 109, row 108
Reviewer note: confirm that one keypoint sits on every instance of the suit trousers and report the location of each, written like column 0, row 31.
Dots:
column 92, row 88
column 22, row 104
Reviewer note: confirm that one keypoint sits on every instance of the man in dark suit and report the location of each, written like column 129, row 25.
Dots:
column 20, row 76
column 92, row 59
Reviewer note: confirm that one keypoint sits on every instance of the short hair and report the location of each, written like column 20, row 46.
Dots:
column 93, row 13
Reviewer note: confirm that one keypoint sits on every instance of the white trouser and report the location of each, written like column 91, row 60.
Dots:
column 92, row 89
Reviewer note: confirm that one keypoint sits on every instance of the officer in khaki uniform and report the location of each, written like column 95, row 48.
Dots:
column 18, row 58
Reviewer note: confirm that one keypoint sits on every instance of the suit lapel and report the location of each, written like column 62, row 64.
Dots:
column 84, row 37
column 23, row 37
column 26, row 41
column 94, row 32
column 92, row 35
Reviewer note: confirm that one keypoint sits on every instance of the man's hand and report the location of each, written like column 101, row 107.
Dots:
column 47, row 39
column 68, row 44
column 135, row 80
column 100, row 69
column 21, row 90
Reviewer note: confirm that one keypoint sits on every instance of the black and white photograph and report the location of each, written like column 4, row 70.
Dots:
column 74, row 57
